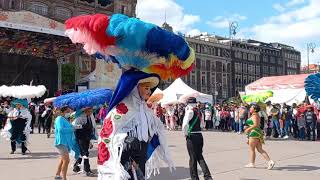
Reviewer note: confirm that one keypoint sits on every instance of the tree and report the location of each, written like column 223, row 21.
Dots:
column 68, row 75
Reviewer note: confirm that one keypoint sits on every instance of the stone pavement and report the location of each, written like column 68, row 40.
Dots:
column 225, row 153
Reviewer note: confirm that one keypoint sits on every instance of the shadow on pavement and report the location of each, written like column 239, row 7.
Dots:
column 297, row 168
column 179, row 173
column 35, row 155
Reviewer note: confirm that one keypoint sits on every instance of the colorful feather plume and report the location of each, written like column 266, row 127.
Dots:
column 84, row 99
column 312, row 86
column 132, row 43
column 23, row 91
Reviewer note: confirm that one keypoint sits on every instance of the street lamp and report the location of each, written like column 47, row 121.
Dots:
column 310, row 47
column 233, row 26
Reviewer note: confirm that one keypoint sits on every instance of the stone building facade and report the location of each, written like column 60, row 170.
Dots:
column 64, row 9
column 223, row 67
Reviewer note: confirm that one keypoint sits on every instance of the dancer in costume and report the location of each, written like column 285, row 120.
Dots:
column 85, row 126
column 132, row 136
column 18, row 128
column 47, row 116
column 255, row 138
column 192, row 130
column 18, row 125
column 65, row 141
column 148, row 53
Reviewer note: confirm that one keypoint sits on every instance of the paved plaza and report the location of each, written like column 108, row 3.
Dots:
column 225, row 153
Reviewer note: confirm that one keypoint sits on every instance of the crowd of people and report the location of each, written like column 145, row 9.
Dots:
column 300, row 122
column 74, row 131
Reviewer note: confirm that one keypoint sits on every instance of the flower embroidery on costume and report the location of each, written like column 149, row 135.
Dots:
column 103, row 154
column 122, row 108
column 107, row 128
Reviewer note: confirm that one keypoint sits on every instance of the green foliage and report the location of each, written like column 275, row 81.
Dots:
column 68, row 74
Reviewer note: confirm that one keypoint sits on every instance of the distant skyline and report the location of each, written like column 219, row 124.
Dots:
column 292, row 22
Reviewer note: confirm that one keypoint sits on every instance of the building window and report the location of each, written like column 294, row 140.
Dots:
column 213, row 67
column 265, row 58
column 272, row 59
column 63, row 13
column 203, row 64
column 39, row 8
column 257, row 69
column 198, row 48
column 193, row 79
column 212, row 51
column 223, row 68
column 245, row 68
column 245, row 56
column 203, row 80
column 11, row 4
column 104, row 2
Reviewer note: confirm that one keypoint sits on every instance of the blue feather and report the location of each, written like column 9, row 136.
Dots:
column 131, row 33
column 312, row 86
column 84, row 99
column 165, row 43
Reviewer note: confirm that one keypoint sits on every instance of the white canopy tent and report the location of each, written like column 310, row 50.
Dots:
column 178, row 88
column 287, row 89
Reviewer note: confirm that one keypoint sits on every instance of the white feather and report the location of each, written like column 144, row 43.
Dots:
column 23, row 91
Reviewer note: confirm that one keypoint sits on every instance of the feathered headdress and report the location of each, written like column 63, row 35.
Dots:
column 23, row 91
column 312, row 86
column 132, row 43
column 84, row 99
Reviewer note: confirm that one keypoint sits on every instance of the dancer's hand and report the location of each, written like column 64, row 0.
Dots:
column 247, row 131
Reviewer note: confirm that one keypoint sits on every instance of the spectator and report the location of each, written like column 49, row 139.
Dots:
column 275, row 121
column 102, row 114
column 311, row 120
column 243, row 115
column 301, row 123
column 41, row 119
column 208, row 116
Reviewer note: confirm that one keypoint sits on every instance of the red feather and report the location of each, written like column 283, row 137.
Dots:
column 96, row 25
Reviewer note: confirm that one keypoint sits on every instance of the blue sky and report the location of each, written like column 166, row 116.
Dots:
column 293, row 22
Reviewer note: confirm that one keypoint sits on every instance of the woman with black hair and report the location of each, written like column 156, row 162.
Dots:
column 65, row 142
column 255, row 136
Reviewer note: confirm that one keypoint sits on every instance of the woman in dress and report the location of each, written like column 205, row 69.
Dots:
column 255, row 138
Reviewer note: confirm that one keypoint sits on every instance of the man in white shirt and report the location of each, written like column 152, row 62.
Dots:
column 191, row 127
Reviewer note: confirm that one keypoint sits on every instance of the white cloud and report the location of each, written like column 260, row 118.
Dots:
column 278, row 7
column 223, row 22
column 155, row 11
column 296, row 28
column 193, row 32
column 294, row 3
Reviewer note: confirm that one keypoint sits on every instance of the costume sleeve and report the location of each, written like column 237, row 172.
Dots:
column 44, row 113
column 60, row 126
column 188, row 116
